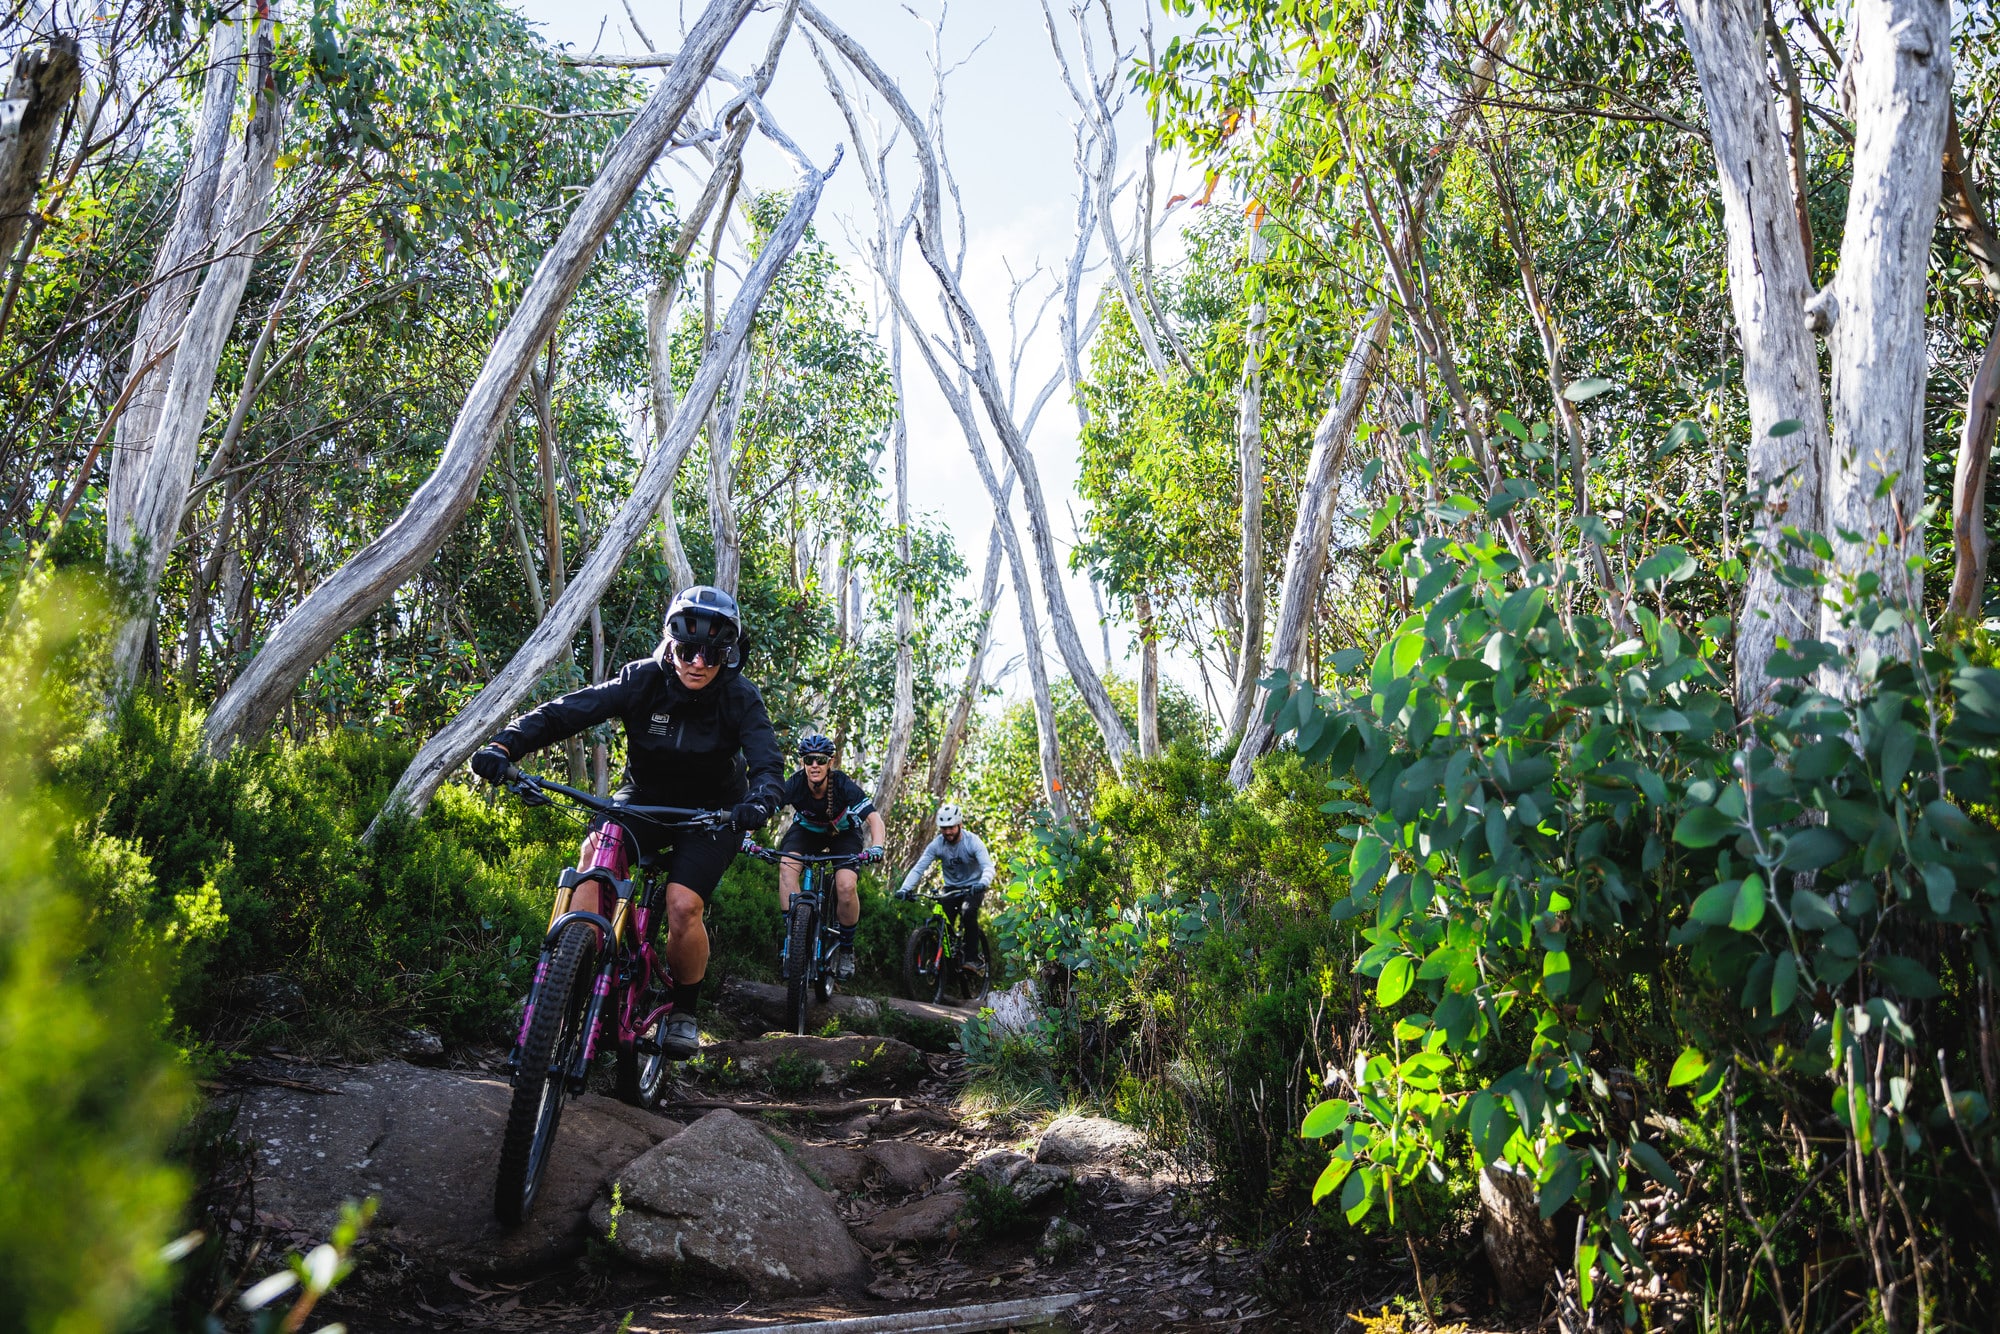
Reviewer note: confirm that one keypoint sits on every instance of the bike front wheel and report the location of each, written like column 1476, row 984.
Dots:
column 555, row 1034
column 799, row 930
column 923, row 963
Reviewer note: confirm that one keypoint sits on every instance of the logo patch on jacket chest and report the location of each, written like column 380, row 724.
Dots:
column 659, row 724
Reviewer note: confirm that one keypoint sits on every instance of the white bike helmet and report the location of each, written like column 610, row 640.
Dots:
column 948, row 816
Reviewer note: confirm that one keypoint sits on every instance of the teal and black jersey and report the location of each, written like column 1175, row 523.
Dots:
column 841, row 806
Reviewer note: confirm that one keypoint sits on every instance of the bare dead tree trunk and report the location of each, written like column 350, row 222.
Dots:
column 1250, row 488
column 1149, row 678
column 659, row 333
column 141, row 541
column 541, row 395
column 1768, row 289
column 1874, row 305
column 1968, row 490
column 722, row 476
column 903, row 711
column 484, row 714
column 985, row 379
column 42, row 84
column 1312, row 524
column 1967, row 211
column 354, row 591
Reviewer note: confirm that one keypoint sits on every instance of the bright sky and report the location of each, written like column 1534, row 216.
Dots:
column 1010, row 142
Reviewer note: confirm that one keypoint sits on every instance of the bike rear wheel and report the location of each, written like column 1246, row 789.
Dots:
column 801, row 925
column 554, row 1035
column 923, row 962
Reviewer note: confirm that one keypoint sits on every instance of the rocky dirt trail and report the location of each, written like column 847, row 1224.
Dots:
column 782, row 1180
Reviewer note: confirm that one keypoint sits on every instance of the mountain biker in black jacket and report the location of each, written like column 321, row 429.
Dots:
column 696, row 735
column 831, row 815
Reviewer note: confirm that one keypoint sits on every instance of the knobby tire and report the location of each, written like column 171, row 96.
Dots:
column 973, row 964
column 922, row 968
column 536, row 1111
column 799, row 930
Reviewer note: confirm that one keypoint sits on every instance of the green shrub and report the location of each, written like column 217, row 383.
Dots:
column 1593, row 898
column 90, row 1092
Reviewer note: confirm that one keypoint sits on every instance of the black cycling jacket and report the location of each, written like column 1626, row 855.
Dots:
column 702, row 749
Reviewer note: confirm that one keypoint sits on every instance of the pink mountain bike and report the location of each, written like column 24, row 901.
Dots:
column 597, row 979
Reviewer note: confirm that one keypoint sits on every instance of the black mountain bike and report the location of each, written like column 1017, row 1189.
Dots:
column 946, row 952
column 597, row 978
column 809, row 927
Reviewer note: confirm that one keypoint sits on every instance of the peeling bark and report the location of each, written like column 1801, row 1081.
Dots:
column 43, row 83
column 142, row 534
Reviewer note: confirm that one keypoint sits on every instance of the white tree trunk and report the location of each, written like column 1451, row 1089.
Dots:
column 903, row 711
column 1250, row 487
column 1312, row 527
column 722, row 476
column 659, row 357
column 1901, row 71
column 158, row 497
column 486, row 711
column 985, row 378
column 354, row 591
column 176, row 270
column 1768, row 288
column 1149, row 678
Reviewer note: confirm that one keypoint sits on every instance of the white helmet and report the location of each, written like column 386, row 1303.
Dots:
column 948, row 817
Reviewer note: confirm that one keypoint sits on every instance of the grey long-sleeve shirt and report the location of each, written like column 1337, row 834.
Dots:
column 966, row 864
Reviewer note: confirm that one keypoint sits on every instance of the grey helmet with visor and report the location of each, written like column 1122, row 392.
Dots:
column 703, row 618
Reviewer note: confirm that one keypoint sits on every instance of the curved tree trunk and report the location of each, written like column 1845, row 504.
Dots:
column 986, row 380
column 551, row 640
column 144, row 533
column 353, row 592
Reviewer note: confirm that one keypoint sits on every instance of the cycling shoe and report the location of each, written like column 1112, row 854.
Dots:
column 681, row 1038
column 843, row 963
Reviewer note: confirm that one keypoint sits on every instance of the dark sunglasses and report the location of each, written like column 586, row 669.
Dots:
column 815, row 759
column 710, row 654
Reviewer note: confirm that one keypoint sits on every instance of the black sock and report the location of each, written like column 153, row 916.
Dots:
column 687, row 997
column 844, row 934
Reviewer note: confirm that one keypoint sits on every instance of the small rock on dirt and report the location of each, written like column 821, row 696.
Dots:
column 1090, row 1139
column 1029, row 1182
column 1061, row 1239
column 904, row 1168
column 726, row 1202
column 426, row 1143
column 931, row 1221
column 800, row 1064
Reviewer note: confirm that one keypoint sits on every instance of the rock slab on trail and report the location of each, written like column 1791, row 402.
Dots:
column 425, row 1142
column 796, row 1064
column 720, row 1199
column 1090, row 1140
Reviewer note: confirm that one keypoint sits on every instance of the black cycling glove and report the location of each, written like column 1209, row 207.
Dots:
column 491, row 763
column 751, row 815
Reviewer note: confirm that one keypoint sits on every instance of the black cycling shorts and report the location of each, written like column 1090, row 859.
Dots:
column 807, row 843
column 692, row 857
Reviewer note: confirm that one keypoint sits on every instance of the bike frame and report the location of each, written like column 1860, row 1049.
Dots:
column 630, row 958
column 814, row 872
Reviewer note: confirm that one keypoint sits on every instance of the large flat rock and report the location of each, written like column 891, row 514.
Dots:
column 721, row 1200
column 426, row 1143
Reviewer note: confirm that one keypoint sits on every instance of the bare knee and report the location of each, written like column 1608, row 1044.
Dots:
column 684, row 909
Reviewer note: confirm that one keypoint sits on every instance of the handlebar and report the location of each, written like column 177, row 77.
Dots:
column 535, row 791
column 752, row 848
